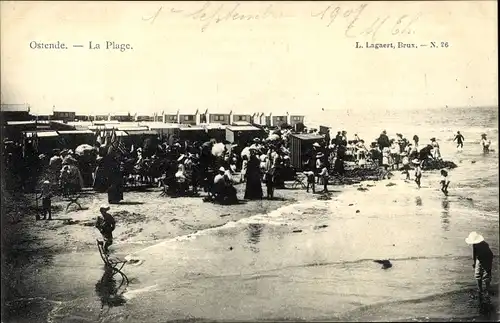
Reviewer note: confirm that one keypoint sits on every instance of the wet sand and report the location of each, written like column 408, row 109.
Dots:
column 293, row 258
column 38, row 253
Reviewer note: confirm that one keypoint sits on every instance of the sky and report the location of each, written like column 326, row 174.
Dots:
column 293, row 56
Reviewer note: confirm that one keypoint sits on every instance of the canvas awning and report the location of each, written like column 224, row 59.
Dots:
column 75, row 132
column 140, row 132
column 41, row 134
column 242, row 128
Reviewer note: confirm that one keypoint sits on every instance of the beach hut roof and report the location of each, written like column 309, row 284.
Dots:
column 74, row 132
column 277, row 112
column 15, row 107
column 158, row 125
column 242, row 128
column 41, row 134
column 241, row 123
column 170, row 111
column 131, row 129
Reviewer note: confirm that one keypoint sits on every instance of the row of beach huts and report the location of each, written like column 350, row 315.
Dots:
column 275, row 118
column 62, row 131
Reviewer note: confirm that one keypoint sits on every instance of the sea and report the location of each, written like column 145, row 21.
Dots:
column 314, row 260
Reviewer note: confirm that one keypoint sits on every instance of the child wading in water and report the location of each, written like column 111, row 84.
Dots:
column 483, row 261
column 445, row 181
column 418, row 171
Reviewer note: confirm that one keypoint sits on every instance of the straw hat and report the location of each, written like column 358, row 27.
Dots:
column 46, row 182
column 474, row 238
column 104, row 207
column 316, row 144
column 222, row 169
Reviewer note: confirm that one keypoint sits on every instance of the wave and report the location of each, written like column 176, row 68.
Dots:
column 266, row 217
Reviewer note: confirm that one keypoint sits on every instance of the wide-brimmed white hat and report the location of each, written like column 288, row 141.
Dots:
column 474, row 238
column 316, row 144
column 222, row 169
column 104, row 207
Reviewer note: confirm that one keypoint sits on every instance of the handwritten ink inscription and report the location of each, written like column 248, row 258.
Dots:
column 358, row 25
column 210, row 14
column 353, row 19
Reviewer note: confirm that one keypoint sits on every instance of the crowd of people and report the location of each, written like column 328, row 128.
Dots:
column 184, row 168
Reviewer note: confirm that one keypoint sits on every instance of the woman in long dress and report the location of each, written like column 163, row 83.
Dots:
column 253, row 189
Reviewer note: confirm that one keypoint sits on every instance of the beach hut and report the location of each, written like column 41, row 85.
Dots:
column 195, row 133
column 295, row 117
column 144, row 117
column 216, row 131
column 239, row 116
column 189, row 117
column 219, row 115
column 14, row 129
column 170, row 116
column 242, row 135
column 300, row 147
column 164, row 130
column 277, row 118
column 15, row 112
column 43, row 141
column 259, row 118
column 102, row 117
column 122, row 117
column 74, row 138
column 63, row 115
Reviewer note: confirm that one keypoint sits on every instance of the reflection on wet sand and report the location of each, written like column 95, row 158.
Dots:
column 418, row 201
column 254, row 230
column 107, row 290
column 445, row 215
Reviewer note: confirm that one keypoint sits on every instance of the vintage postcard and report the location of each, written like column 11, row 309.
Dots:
column 249, row 161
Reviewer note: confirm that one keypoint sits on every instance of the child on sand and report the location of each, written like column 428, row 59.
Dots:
column 406, row 165
column 445, row 181
column 310, row 181
column 482, row 262
column 46, row 201
column 418, row 171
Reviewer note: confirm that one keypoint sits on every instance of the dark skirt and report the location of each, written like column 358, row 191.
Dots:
column 115, row 194
column 253, row 189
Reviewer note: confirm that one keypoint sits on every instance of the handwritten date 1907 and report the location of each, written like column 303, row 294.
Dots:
column 359, row 25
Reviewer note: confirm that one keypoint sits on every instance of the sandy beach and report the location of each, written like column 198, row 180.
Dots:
column 217, row 262
column 143, row 219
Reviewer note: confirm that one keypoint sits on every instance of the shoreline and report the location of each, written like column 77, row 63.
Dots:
column 143, row 220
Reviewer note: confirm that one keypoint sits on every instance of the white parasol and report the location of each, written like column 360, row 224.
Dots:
column 245, row 152
column 273, row 137
column 83, row 149
column 218, row 149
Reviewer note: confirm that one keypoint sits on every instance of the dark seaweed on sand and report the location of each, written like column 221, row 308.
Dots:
column 432, row 164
